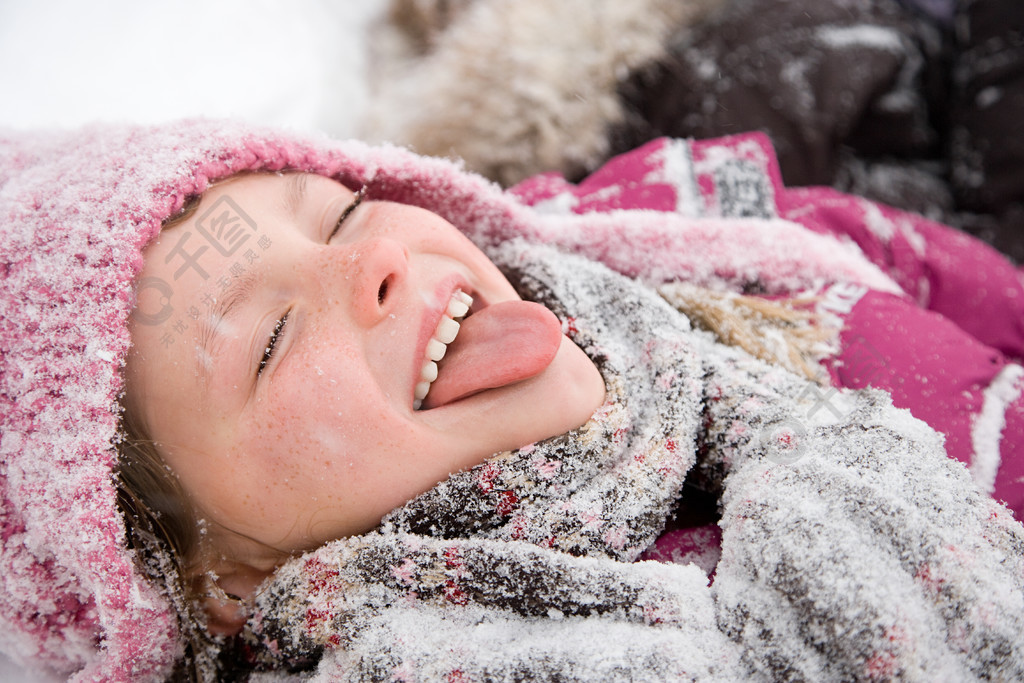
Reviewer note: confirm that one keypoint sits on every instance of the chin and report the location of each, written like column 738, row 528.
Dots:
column 557, row 400
column 563, row 397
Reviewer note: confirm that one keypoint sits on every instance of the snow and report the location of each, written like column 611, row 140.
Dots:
column 676, row 170
column 299, row 65
column 860, row 36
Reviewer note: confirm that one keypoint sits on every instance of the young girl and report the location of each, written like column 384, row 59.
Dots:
column 319, row 468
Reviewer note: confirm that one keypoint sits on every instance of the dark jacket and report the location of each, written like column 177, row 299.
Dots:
column 914, row 103
column 875, row 98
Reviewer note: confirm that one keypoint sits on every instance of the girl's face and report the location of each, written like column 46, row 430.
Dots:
column 275, row 364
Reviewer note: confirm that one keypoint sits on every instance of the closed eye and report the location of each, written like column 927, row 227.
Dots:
column 268, row 350
column 356, row 201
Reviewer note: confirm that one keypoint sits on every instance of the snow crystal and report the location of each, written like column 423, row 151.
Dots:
column 988, row 96
column 864, row 35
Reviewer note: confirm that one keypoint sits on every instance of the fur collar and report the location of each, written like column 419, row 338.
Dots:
column 443, row 78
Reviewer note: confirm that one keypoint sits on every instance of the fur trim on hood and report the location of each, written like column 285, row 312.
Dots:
column 516, row 87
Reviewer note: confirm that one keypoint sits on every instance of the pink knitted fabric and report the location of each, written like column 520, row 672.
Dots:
column 76, row 210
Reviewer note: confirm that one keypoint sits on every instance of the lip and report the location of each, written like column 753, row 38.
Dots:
column 432, row 317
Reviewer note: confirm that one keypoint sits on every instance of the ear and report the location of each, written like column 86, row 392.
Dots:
column 225, row 600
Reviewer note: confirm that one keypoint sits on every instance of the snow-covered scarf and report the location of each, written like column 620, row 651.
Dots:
column 852, row 548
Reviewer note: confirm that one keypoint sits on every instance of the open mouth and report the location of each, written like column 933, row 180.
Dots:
column 490, row 346
column 445, row 333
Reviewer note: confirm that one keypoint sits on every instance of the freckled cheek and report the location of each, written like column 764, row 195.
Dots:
column 272, row 467
column 266, row 465
column 315, row 419
column 332, row 471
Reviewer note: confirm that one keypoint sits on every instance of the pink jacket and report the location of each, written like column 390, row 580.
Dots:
column 947, row 345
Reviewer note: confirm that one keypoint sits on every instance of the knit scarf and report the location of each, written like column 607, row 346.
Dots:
column 602, row 490
column 843, row 553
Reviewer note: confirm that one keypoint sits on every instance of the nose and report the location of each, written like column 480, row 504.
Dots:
column 381, row 266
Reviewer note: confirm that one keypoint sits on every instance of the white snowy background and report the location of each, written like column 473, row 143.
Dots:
column 299, row 64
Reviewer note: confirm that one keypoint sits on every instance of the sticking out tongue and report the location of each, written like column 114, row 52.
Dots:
column 498, row 345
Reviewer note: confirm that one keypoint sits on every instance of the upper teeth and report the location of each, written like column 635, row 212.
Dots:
column 447, row 330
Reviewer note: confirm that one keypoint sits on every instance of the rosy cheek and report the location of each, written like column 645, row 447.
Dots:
column 313, row 421
column 265, row 462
